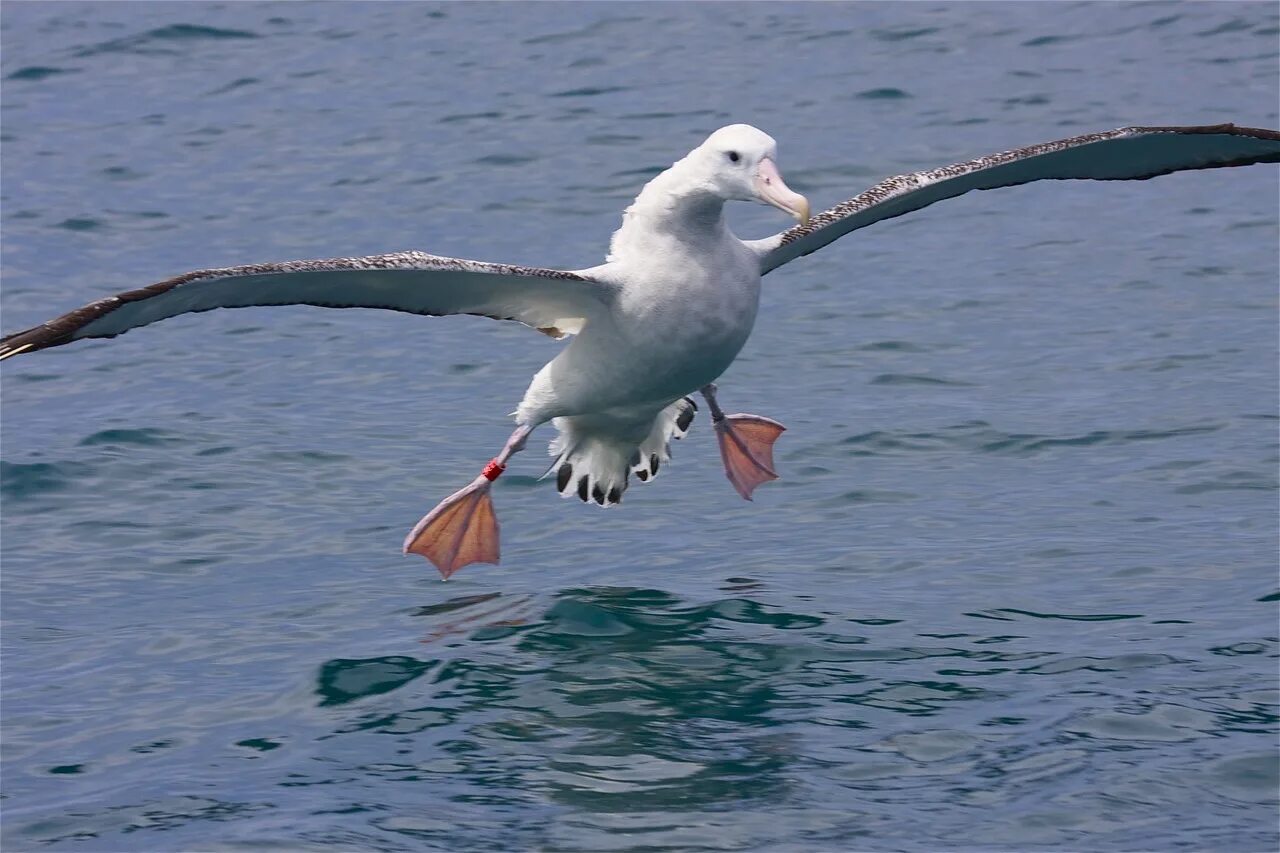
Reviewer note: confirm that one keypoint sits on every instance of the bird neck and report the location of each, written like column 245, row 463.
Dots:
column 678, row 204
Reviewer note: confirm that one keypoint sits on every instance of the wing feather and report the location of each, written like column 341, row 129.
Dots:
column 1129, row 153
column 555, row 302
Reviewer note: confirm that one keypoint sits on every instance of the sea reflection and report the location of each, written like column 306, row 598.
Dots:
column 636, row 709
column 638, row 692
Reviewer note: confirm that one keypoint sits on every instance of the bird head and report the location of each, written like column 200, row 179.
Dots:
column 741, row 163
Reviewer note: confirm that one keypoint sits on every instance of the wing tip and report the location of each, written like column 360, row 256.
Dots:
column 33, row 340
column 7, row 351
column 1227, row 128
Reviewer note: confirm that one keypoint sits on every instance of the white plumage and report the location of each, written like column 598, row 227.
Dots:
column 682, row 294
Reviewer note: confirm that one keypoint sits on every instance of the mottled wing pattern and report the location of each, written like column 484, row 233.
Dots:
column 1129, row 153
column 555, row 302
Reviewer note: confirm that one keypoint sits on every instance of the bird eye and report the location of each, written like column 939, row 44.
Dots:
column 734, row 156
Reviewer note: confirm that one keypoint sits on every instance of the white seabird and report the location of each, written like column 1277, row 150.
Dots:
column 663, row 317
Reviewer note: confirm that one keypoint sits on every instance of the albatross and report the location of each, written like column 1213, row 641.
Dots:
column 659, row 321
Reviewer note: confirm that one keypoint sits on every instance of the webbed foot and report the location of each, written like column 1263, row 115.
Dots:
column 746, row 446
column 461, row 530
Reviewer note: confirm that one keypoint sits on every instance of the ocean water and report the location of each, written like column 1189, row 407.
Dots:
column 1016, row 589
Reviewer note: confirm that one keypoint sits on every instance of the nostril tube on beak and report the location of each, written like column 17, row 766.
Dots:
column 771, row 189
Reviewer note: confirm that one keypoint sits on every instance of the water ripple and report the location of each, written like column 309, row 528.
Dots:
column 164, row 40
column 981, row 437
column 1016, row 585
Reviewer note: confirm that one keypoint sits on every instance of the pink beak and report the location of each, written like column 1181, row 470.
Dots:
column 771, row 190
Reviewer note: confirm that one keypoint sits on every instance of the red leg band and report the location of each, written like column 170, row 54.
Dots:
column 493, row 470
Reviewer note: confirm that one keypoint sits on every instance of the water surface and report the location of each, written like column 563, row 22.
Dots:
column 1015, row 591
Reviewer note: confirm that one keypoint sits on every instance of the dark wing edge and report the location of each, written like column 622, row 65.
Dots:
column 1127, row 153
column 391, row 281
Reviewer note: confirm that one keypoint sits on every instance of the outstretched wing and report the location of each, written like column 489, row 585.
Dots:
column 555, row 302
column 1129, row 153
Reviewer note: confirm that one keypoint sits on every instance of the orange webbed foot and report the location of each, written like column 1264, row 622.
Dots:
column 746, row 445
column 462, row 530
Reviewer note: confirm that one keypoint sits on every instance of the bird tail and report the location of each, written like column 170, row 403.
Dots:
column 672, row 423
column 594, row 463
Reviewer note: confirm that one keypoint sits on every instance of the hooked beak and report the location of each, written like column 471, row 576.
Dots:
column 771, row 190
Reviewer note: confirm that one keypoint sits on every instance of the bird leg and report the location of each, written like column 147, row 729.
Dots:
column 746, row 445
column 463, row 529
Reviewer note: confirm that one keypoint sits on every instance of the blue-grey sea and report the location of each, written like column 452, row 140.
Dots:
column 1015, row 591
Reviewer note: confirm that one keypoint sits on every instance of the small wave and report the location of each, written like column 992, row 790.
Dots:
column 233, row 85
column 593, row 29
column 184, row 32
column 1250, row 778
column 260, row 744
column 354, row 182
column 755, row 613
column 879, row 442
column 588, row 91
column 215, row 451
column 345, row 680
column 612, row 139
column 644, row 172
column 25, row 480
column 161, row 40
column 1231, row 481
column 896, row 35
column 143, row 437
column 1027, row 101
column 1086, row 663
column 916, row 379
column 1011, row 614
column 39, row 72
column 306, row 456
column 981, row 437
column 77, row 223
column 67, row 769
column 1161, row 723
column 887, row 93
column 667, row 115
column 122, row 173
column 463, row 117
column 1044, row 41
column 503, row 160
column 456, row 604
column 828, row 34
column 893, row 346
column 876, row 496
column 1234, row 25
column 1170, row 362
column 1035, row 444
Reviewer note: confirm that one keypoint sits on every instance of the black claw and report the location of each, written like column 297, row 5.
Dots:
column 691, row 402
column 564, row 476
column 653, row 463
column 643, row 474
column 615, row 495
column 686, row 418
column 583, row 486
column 598, row 494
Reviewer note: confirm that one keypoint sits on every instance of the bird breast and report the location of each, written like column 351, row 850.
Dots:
column 687, row 316
column 677, row 321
